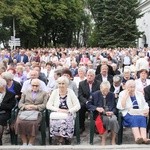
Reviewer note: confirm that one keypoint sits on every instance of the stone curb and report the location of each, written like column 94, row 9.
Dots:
column 77, row 147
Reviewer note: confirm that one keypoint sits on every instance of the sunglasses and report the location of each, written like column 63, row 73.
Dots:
column 35, row 85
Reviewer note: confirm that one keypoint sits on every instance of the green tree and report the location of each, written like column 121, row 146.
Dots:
column 45, row 22
column 115, row 22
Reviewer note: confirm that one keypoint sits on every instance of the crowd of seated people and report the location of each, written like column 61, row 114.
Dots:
column 90, row 73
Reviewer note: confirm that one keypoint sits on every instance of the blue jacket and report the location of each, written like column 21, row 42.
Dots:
column 18, row 58
column 97, row 101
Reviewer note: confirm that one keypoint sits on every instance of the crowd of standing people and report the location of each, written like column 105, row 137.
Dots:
column 68, row 80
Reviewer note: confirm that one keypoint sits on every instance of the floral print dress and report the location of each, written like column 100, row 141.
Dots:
column 62, row 127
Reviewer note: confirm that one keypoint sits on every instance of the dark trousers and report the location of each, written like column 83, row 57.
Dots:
column 82, row 112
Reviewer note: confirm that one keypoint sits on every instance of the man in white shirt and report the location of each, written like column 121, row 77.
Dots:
column 126, row 60
column 33, row 75
column 142, row 62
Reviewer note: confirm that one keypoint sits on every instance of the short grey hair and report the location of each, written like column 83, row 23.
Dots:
column 117, row 78
column 91, row 71
column 7, row 75
column 82, row 69
column 2, row 82
column 105, row 84
column 63, row 79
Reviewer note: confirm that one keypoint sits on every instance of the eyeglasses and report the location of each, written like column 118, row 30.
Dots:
column 35, row 85
column 81, row 64
column 61, row 83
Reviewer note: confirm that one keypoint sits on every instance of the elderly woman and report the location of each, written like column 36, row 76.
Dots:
column 116, row 88
column 7, row 102
column 81, row 75
column 12, row 85
column 126, row 76
column 64, row 104
column 134, row 109
column 142, row 81
column 103, row 104
column 19, row 76
column 72, row 85
column 33, row 100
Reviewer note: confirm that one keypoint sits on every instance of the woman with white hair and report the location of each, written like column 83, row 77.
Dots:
column 103, row 106
column 126, row 76
column 12, row 85
column 134, row 109
column 116, row 88
column 81, row 75
column 7, row 102
column 64, row 104
column 143, row 80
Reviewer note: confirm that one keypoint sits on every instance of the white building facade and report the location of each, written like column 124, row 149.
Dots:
column 143, row 23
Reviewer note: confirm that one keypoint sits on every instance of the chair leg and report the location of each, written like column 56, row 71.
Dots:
column 92, row 128
column 120, row 136
column 50, row 140
column 12, row 134
column 77, row 128
column 16, row 139
column 120, row 133
column 43, row 133
column 11, row 137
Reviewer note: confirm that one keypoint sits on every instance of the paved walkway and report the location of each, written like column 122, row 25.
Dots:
column 85, row 137
column 128, row 143
column 77, row 147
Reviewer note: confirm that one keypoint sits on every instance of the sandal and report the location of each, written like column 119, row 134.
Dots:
column 139, row 141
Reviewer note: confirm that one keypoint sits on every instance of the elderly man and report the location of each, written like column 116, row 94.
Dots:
column 21, row 57
column 104, row 61
column 7, row 102
column 104, row 76
column 86, row 88
column 33, row 75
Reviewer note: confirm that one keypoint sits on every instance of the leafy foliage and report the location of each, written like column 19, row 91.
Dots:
column 115, row 22
column 44, row 22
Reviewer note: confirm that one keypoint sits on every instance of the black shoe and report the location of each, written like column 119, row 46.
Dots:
column 67, row 141
column 82, row 130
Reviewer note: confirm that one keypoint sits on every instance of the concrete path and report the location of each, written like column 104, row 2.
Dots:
column 128, row 143
column 77, row 147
